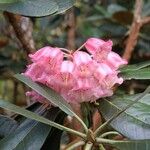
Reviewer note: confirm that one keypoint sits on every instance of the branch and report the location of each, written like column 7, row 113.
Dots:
column 134, row 31
column 23, row 30
column 71, row 30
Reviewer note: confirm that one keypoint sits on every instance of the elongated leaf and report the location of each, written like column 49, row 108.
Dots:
column 7, row 125
column 8, row 1
column 133, row 145
column 48, row 93
column 29, row 135
column 134, row 123
column 141, row 74
column 28, row 114
column 135, row 67
column 37, row 8
column 129, row 145
column 54, row 137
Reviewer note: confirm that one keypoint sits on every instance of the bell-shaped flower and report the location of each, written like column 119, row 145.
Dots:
column 64, row 78
column 102, row 71
column 101, row 91
column 111, row 80
column 84, row 64
column 34, row 71
column 47, row 54
column 98, row 48
column 115, row 61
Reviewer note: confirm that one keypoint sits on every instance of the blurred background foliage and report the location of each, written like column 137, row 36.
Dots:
column 107, row 19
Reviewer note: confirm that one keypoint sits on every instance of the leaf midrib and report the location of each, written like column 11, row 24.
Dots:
column 128, row 113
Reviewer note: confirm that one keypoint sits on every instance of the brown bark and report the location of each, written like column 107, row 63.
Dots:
column 137, row 23
column 71, row 29
column 134, row 30
column 23, row 30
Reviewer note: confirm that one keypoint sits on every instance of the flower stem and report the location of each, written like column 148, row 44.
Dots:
column 80, row 47
column 88, row 146
column 82, row 135
column 66, row 50
column 75, row 145
column 82, row 123
column 109, row 133
column 105, row 141
column 101, row 147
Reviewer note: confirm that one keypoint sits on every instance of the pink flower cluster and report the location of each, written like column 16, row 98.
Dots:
column 78, row 76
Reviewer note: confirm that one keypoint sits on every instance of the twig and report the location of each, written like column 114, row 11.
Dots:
column 74, row 144
column 137, row 23
column 134, row 31
column 145, row 20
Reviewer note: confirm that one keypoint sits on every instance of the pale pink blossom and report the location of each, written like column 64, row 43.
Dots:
column 47, row 54
column 80, row 76
column 102, row 71
column 84, row 64
column 64, row 78
column 98, row 48
column 115, row 61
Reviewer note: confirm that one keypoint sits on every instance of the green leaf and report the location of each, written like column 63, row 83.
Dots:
column 7, row 122
column 136, row 71
column 26, row 113
column 54, row 138
column 141, row 74
column 34, row 116
column 133, row 145
column 126, row 144
column 8, row 1
column 134, row 123
column 64, row 5
column 135, row 67
column 48, row 93
column 30, row 134
column 37, row 8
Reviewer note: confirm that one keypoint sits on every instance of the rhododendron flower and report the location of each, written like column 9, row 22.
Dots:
column 98, row 48
column 115, row 61
column 47, row 54
column 84, row 64
column 79, row 77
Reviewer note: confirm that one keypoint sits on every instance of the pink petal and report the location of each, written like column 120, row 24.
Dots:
column 34, row 71
column 102, row 71
column 115, row 61
column 92, row 44
column 63, row 78
column 111, row 80
column 99, row 48
column 78, row 96
column 35, row 96
column 67, row 67
column 47, row 53
column 81, row 58
column 100, row 92
column 84, row 64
